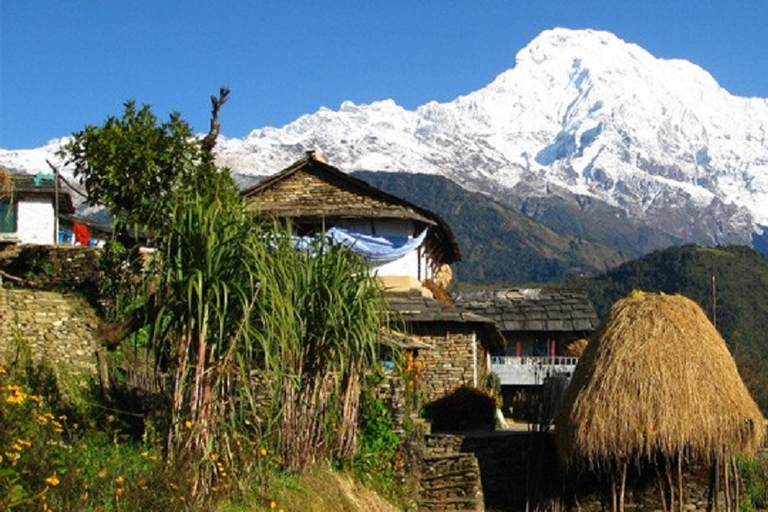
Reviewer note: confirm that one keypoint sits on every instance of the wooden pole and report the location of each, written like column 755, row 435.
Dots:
column 680, row 491
column 622, row 486
column 736, row 484
column 55, row 207
column 727, row 484
column 660, row 480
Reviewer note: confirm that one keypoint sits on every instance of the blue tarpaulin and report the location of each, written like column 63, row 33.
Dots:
column 375, row 248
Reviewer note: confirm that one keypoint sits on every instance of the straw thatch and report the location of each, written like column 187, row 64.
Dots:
column 6, row 184
column 656, row 379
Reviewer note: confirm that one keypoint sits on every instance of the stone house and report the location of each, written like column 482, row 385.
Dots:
column 31, row 216
column 409, row 249
column 544, row 330
column 404, row 244
column 452, row 345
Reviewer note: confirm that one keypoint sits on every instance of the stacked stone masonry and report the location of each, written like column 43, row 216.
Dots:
column 55, row 327
column 450, row 479
column 308, row 194
column 451, row 364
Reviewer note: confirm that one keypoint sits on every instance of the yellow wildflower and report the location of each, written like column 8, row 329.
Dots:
column 52, row 481
column 119, row 492
column 263, row 452
column 273, row 505
column 188, row 424
column 103, row 473
column 2, row 370
column 119, row 480
column 15, row 397
column 24, row 442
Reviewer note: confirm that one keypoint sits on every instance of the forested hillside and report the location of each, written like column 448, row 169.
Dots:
column 497, row 244
column 736, row 277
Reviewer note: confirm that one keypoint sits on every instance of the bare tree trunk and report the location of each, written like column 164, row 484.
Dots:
column 209, row 141
column 712, row 483
column 670, row 484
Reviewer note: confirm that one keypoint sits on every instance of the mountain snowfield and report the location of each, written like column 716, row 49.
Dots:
column 582, row 114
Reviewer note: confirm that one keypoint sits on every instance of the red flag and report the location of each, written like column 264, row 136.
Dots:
column 82, row 233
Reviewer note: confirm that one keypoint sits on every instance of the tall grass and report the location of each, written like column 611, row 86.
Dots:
column 264, row 344
column 319, row 328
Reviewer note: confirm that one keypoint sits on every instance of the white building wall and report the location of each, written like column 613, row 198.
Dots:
column 406, row 266
column 35, row 222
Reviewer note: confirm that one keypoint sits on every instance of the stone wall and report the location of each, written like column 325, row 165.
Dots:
column 51, row 267
column 56, row 327
column 449, row 479
column 520, row 470
column 450, row 363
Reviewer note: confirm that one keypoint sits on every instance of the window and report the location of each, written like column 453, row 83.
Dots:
column 7, row 217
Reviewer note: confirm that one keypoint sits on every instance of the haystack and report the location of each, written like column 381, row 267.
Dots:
column 656, row 379
column 6, row 184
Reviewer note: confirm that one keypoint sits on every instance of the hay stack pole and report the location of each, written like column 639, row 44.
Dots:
column 655, row 381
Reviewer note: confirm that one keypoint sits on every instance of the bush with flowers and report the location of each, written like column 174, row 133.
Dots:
column 51, row 459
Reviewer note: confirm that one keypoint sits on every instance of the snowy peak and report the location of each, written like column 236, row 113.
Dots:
column 582, row 114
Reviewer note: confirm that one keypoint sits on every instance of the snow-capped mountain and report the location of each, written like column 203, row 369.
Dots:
column 583, row 117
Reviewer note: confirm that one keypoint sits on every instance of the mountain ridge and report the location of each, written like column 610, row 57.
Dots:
column 583, row 118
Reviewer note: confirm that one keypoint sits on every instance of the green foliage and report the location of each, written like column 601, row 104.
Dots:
column 320, row 316
column 202, row 336
column 378, row 455
column 49, row 458
column 138, row 168
column 754, row 484
column 122, row 290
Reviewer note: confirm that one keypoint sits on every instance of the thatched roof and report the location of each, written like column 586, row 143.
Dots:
column 6, row 184
column 656, row 378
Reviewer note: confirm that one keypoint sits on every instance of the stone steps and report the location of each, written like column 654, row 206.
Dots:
column 450, row 480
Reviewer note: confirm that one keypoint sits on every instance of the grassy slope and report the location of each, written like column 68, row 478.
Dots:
column 497, row 244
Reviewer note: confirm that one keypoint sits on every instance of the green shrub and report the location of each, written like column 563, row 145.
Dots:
column 754, row 484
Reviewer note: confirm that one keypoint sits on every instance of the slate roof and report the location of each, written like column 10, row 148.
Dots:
column 533, row 309
column 413, row 307
column 390, row 206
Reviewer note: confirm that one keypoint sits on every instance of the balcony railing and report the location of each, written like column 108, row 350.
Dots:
column 530, row 370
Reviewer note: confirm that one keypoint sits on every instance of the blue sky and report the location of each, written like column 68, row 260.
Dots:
column 64, row 64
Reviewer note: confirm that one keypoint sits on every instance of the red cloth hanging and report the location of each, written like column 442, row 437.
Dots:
column 82, row 233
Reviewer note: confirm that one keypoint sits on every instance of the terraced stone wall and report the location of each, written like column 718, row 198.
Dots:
column 55, row 327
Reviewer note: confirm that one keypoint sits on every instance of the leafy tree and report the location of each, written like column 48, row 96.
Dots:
column 138, row 167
